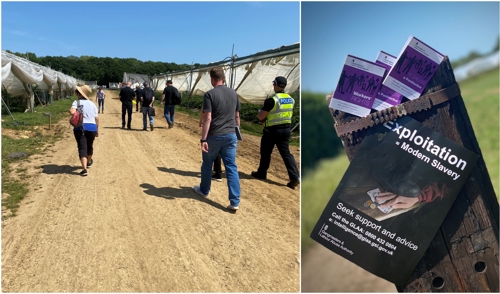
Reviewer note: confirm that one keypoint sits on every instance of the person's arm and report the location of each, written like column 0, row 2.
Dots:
column 268, row 105
column 432, row 192
column 237, row 118
column 207, row 119
column 262, row 115
column 72, row 109
column 97, row 125
column 152, row 100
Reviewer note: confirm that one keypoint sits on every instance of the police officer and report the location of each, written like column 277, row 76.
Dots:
column 276, row 114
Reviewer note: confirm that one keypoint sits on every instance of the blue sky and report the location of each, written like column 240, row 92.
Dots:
column 332, row 30
column 178, row 32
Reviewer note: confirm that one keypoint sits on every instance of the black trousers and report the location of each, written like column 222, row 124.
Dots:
column 85, row 141
column 127, row 108
column 281, row 139
column 137, row 106
column 218, row 165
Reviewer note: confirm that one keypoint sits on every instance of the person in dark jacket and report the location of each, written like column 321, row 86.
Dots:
column 168, row 97
column 126, row 96
column 138, row 95
column 147, row 100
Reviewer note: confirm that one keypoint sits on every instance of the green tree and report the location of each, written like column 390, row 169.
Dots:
column 318, row 137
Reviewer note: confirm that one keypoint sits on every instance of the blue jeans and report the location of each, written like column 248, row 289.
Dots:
column 168, row 112
column 225, row 145
column 145, row 113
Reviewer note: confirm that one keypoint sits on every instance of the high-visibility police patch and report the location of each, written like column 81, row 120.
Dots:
column 286, row 100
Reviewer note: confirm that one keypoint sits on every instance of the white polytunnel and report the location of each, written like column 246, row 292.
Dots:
column 20, row 75
column 251, row 76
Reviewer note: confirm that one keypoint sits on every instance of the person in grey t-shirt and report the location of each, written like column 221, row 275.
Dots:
column 221, row 114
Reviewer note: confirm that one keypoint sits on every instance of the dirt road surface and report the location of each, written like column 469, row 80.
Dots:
column 134, row 224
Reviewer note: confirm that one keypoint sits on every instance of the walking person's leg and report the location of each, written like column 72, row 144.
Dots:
column 228, row 155
column 124, row 110
column 208, row 160
column 129, row 122
column 90, row 136
column 217, row 169
column 171, row 116
column 151, row 121
column 144, row 111
column 172, row 112
column 167, row 114
column 266, row 149
column 283, row 145
column 81, row 141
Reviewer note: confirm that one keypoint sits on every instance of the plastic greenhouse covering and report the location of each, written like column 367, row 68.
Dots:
column 19, row 75
column 250, row 76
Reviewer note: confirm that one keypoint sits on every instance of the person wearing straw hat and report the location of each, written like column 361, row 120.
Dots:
column 85, row 134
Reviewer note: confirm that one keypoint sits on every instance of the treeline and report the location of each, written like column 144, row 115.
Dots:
column 103, row 69
column 473, row 55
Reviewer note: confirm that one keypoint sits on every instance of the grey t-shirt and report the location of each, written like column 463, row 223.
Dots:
column 222, row 102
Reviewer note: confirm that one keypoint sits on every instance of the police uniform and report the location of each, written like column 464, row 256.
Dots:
column 277, row 132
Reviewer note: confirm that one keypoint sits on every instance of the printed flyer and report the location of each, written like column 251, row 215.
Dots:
column 414, row 68
column 393, row 198
column 386, row 97
column 358, row 85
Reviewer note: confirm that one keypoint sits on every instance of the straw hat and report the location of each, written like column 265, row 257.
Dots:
column 84, row 90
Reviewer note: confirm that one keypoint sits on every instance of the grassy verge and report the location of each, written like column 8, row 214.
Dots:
column 32, row 138
column 481, row 97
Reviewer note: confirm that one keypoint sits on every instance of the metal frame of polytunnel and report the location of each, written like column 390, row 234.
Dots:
column 20, row 75
column 250, row 76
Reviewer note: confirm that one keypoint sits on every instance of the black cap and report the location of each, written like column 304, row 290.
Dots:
column 280, row 82
column 146, row 84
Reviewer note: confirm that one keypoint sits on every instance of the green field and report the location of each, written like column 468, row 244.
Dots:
column 481, row 97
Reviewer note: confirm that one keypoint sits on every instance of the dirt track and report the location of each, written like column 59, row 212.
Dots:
column 134, row 224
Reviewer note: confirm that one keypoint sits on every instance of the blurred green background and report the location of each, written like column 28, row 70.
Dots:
column 324, row 163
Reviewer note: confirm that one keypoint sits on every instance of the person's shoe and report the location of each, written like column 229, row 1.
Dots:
column 198, row 191
column 129, row 128
column 123, row 127
column 293, row 184
column 89, row 164
column 152, row 127
column 170, row 125
column 83, row 173
column 258, row 176
column 217, row 177
column 233, row 208
column 145, row 129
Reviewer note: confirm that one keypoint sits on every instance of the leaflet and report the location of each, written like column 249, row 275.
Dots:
column 386, row 97
column 394, row 196
column 414, row 68
column 358, row 85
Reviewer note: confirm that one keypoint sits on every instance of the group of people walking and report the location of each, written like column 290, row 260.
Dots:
column 219, row 116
